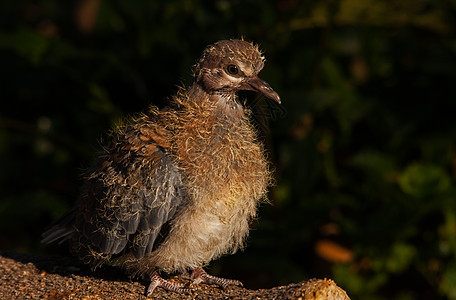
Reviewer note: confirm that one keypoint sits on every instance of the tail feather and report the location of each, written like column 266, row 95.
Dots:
column 56, row 233
column 61, row 229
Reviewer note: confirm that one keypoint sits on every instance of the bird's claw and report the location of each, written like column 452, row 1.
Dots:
column 199, row 275
column 157, row 281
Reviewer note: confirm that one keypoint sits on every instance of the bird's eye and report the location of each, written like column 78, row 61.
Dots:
column 232, row 69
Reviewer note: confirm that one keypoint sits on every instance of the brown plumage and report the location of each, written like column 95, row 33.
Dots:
column 176, row 188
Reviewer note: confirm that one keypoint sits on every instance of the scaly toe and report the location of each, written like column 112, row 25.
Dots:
column 157, row 281
column 199, row 275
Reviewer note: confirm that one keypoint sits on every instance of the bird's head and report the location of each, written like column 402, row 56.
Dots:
column 229, row 66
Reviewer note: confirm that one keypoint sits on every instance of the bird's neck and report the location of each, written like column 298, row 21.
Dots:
column 224, row 104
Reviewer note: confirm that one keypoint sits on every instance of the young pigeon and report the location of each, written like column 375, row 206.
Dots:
column 176, row 188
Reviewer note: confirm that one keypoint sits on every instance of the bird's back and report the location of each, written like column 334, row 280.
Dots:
column 129, row 197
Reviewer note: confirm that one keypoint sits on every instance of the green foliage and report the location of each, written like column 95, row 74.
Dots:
column 420, row 180
column 364, row 158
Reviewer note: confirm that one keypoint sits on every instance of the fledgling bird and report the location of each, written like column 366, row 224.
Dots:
column 176, row 188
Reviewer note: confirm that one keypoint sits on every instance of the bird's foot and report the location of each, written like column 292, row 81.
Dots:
column 156, row 280
column 199, row 275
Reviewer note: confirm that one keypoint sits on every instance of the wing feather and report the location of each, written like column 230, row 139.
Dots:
column 128, row 201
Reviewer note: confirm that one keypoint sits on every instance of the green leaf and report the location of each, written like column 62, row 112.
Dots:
column 400, row 257
column 27, row 43
column 422, row 180
column 448, row 284
column 373, row 162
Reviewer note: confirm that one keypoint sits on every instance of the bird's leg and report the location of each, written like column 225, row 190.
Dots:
column 199, row 275
column 156, row 280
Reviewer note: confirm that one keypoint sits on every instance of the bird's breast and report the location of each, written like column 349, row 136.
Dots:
column 223, row 162
column 226, row 174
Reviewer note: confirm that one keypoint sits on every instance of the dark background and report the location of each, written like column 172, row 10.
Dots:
column 364, row 158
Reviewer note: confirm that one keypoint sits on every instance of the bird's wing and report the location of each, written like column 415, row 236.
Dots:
column 129, row 198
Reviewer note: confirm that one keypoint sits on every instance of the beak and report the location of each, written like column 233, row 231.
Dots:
column 256, row 84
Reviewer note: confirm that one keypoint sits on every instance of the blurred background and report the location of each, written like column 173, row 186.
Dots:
column 364, row 156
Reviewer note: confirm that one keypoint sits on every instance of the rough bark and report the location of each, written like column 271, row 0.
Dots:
column 31, row 277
